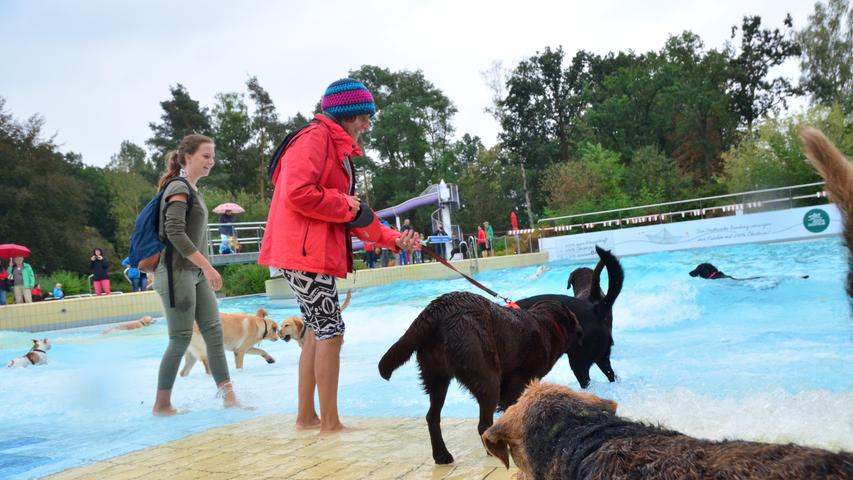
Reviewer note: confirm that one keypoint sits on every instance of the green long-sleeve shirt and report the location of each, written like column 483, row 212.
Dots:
column 187, row 234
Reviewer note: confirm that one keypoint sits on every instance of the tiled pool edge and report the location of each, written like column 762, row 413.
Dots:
column 269, row 447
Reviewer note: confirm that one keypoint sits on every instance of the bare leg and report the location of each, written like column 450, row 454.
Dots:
column 306, row 416
column 163, row 404
column 327, row 368
column 229, row 398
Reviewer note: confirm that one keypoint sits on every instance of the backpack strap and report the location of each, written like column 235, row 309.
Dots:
column 169, row 248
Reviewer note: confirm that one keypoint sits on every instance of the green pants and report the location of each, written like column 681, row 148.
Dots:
column 194, row 301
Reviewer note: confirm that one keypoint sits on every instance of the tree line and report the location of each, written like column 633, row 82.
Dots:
column 579, row 132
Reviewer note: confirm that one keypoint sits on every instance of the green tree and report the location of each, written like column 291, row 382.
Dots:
column 129, row 193
column 235, row 157
column 593, row 181
column 131, row 158
column 827, row 58
column 181, row 116
column 267, row 131
column 753, row 94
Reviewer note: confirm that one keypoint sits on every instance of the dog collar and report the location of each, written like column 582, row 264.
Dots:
column 558, row 328
column 266, row 330
column 40, row 351
column 712, row 275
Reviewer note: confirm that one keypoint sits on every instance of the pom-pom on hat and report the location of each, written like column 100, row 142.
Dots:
column 348, row 98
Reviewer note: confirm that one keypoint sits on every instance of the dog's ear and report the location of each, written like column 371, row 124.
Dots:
column 571, row 281
column 35, row 342
column 495, row 440
column 261, row 313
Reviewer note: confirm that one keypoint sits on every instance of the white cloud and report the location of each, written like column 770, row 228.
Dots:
column 98, row 71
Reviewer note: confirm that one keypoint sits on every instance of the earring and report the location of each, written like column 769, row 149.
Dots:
column 183, row 172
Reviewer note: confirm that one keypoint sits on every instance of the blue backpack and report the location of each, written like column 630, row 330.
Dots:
column 146, row 245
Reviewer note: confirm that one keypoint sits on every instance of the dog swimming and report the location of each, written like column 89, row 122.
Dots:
column 36, row 356
column 709, row 272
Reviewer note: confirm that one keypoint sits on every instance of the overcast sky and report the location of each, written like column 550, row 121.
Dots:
column 97, row 70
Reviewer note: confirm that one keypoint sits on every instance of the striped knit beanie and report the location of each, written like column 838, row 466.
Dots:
column 348, row 98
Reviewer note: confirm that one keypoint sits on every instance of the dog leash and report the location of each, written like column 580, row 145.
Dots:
column 439, row 258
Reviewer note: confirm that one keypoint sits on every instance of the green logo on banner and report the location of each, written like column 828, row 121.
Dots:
column 816, row 220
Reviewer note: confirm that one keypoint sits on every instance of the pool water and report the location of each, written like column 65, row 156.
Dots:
column 768, row 359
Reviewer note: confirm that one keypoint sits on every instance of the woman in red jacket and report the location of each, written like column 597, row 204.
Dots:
column 308, row 238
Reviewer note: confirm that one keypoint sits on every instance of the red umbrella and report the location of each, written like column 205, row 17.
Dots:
column 8, row 250
column 224, row 207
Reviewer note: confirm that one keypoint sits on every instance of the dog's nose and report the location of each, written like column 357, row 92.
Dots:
column 287, row 338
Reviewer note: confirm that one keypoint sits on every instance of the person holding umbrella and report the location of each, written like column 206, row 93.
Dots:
column 23, row 279
column 4, row 277
column 226, row 213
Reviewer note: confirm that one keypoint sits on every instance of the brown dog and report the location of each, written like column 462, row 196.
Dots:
column 587, row 283
column 294, row 327
column 142, row 322
column 838, row 174
column 240, row 332
column 553, row 432
column 491, row 350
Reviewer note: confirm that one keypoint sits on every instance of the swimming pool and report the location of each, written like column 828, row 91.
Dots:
column 768, row 359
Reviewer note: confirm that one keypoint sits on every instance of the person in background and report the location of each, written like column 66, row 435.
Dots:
column 403, row 256
column 37, row 294
column 100, row 268
column 58, row 294
column 307, row 238
column 369, row 256
column 481, row 241
column 4, row 283
column 133, row 275
column 490, row 239
column 440, row 248
column 23, row 280
column 226, row 232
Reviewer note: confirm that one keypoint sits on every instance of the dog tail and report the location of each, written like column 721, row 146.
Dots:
column 615, row 277
column 837, row 171
column 346, row 301
column 595, row 293
column 399, row 353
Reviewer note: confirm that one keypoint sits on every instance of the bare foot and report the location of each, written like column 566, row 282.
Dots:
column 167, row 411
column 310, row 424
column 339, row 428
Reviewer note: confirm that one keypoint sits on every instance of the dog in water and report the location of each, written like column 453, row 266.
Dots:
column 142, row 322
column 294, row 327
column 553, row 432
column 837, row 171
column 490, row 350
column 710, row 272
column 596, row 318
column 240, row 334
column 36, row 356
column 539, row 272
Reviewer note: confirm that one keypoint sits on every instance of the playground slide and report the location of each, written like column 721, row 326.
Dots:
column 407, row 206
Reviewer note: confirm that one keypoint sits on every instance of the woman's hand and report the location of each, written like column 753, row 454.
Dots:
column 409, row 240
column 213, row 278
column 93, row 258
column 354, row 204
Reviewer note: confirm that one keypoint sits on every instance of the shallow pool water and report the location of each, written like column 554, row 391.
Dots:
column 768, row 359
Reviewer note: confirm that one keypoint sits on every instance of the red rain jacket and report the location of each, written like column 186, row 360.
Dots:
column 305, row 226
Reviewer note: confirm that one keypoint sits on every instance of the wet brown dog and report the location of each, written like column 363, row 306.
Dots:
column 838, row 174
column 553, row 432
column 492, row 351
column 294, row 327
column 240, row 332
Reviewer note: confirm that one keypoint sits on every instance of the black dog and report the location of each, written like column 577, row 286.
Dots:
column 595, row 319
column 491, row 350
column 555, row 433
column 708, row 272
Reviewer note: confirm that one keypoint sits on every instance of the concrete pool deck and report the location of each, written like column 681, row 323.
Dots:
column 270, row 448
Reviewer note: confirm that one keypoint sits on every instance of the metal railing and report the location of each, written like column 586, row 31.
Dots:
column 248, row 234
column 690, row 209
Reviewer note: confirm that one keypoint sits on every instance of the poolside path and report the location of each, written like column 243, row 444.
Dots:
column 269, row 448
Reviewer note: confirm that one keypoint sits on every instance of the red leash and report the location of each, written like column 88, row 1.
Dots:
column 509, row 303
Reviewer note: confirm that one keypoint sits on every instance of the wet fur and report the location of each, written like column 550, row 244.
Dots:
column 596, row 319
column 240, row 332
column 490, row 350
column 32, row 357
column 294, row 327
column 837, row 171
column 556, row 433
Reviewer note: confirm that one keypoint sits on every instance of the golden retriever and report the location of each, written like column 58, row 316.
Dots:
column 142, row 322
column 294, row 327
column 240, row 332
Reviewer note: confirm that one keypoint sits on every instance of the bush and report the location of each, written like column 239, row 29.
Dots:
column 244, row 279
column 72, row 283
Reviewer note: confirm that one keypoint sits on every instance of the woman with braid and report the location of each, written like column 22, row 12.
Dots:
column 193, row 278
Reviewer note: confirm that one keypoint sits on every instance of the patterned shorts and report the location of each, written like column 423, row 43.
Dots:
column 317, row 295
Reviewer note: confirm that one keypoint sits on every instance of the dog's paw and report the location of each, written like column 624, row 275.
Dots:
column 443, row 458
column 270, row 360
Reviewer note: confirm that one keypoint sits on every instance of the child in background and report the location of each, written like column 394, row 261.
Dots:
column 57, row 292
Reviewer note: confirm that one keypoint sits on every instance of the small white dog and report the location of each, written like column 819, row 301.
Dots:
column 36, row 356
column 539, row 271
